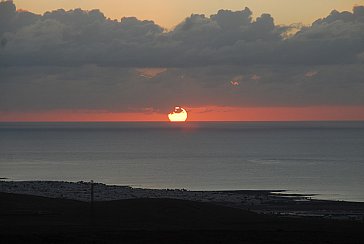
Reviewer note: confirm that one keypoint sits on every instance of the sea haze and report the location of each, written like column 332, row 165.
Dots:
column 325, row 158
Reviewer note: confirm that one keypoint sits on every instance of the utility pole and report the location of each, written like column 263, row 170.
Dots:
column 91, row 216
column 92, row 193
column 91, row 202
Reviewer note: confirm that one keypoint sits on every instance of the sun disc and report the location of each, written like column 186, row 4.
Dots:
column 178, row 115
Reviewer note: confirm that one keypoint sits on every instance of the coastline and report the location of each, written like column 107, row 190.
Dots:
column 271, row 202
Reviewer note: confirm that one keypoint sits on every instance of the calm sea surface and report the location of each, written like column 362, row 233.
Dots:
column 326, row 158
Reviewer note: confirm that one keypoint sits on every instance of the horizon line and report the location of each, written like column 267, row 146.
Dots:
column 166, row 121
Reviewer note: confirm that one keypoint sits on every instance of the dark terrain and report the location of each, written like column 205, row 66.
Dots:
column 31, row 219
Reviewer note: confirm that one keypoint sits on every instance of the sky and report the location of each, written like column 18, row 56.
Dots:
column 171, row 12
column 115, row 60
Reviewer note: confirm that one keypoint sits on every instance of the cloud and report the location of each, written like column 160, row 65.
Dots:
column 234, row 83
column 12, row 20
column 311, row 73
column 79, row 37
column 150, row 72
column 115, row 89
column 80, row 59
column 255, row 77
column 228, row 37
column 361, row 57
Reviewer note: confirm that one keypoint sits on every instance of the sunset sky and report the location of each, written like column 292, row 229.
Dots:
column 260, row 60
column 170, row 13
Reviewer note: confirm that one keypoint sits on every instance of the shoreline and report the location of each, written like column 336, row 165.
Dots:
column 271, row 202
column 103, row 192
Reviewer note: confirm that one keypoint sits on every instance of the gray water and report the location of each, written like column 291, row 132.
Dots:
column 325, row 158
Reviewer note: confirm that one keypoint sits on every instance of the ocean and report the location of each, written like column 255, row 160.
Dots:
column 324, row 158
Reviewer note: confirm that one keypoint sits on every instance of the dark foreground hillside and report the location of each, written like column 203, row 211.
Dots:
column 30, row 219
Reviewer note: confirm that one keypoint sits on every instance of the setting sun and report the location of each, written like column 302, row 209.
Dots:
column 178, row 115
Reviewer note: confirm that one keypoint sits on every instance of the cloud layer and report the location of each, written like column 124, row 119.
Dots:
column 82, row 60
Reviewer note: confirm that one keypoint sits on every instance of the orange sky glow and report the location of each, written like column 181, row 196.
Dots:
column 170, row 13
column 198, row 114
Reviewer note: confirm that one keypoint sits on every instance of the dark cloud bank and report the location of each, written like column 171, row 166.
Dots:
column 82, row 60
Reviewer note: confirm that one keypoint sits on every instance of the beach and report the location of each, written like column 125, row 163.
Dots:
column 271, row 202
